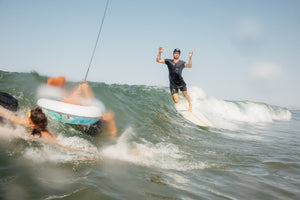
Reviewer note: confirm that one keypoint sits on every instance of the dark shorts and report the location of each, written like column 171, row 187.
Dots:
column 95, row 129
column 174, row 88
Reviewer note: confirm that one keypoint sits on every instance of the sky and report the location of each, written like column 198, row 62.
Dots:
column 243, row 50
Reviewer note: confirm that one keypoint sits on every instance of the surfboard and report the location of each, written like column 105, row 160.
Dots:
column 194, row 117
column 70, row 113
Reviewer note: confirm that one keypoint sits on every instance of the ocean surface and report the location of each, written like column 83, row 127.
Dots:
column 251, row 152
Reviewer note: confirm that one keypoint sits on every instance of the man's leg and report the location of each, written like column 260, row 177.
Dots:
column 186, row 95
column 110, row 123
column 175, row 97
column 174, row 92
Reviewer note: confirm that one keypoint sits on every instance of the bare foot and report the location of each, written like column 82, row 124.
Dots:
column 190, row 108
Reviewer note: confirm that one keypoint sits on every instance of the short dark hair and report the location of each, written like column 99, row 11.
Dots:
column 176, row 50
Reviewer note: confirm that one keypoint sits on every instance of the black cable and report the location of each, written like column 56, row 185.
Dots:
column 96, row 41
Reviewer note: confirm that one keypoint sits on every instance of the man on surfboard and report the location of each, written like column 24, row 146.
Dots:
column 175, row 67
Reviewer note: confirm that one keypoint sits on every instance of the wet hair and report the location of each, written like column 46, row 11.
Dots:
column 40, row 121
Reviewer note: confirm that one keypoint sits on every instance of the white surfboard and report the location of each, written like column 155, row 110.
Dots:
column 70, row 113
column 194, row 116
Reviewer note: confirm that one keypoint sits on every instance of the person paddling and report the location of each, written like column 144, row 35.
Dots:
column 36, row 124
column 35, row 121
column 175, row 67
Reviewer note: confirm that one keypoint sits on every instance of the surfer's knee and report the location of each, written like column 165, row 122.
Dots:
column 108, row 116
column 185, row 93
column 175, row 99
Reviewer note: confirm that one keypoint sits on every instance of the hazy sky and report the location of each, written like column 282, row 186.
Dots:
column 243, row 50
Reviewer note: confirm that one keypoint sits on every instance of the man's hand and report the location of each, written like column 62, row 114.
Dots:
column 160, row 50
column 158, row 58
column 189, row 65
column 84, row 84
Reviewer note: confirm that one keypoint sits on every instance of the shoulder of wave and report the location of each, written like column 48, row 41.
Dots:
column 293, row 108
column 32, row 72
column 128, row 86
column 266, row 104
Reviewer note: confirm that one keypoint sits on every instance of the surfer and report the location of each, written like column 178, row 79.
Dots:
column 175, row 67
column 35, row 121
column 83, row 95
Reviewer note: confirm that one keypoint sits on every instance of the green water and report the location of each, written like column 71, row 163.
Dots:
column 252, row 152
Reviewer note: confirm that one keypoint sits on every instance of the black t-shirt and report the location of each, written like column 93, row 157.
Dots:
column 175, row 71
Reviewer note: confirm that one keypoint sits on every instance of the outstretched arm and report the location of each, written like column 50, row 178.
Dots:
column 11, row 117
column 158, row 58
column 189, row 65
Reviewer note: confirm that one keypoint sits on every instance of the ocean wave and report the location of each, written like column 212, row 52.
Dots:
column 226, row 114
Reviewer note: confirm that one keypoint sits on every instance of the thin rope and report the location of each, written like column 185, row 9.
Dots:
column 87, row 72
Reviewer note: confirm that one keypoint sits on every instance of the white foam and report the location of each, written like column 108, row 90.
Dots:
column 161, row 155
column 227, row 114
column 69, row 149
column 77, row 143
column 73, row 149
column 51, row 92
column 56, row 154
column 8, row 133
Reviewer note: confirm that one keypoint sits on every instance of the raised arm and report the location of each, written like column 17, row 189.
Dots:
column 158, row 58
column 87, row 91
column 189, row 65
column 82, row 95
